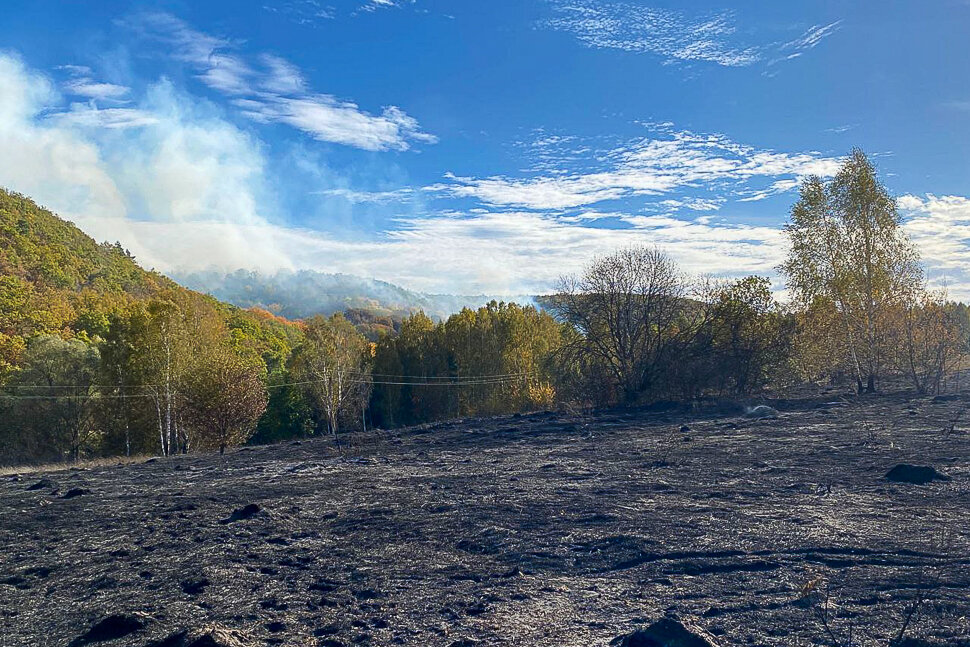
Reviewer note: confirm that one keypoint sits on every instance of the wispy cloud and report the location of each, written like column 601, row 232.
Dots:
column 374, row 5
column 87, row 87
column 312, row 12
column 88, row 116
column 671, row 35
column 363, row 197
column 650, row 166
column 192, row 190
column 812, row 37
column 962, row 106
column 808, row 40
column 270, row 89
column 844, row 128
column 83, row 84
column 327, row 119
column 302, row 12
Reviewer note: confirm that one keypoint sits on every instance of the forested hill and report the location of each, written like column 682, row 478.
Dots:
column 55, row 280
column 39, row 249
column 301, row 294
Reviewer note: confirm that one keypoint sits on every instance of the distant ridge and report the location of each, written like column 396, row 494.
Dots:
column 304, row 293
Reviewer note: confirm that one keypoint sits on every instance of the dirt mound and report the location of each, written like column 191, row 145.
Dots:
column 240, row 514
column 112, row 627
column 915, row 474
column 668, row 632
column 212, row 636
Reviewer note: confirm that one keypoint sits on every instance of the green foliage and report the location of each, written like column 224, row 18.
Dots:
column 42, row 420
column 333, row 367
column 479, row 362
column 750, row 337
column 847, row 246
column 156, row 340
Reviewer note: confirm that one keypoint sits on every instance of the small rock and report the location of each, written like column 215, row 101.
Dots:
column 112, row 627
column 194, row 586
column 915, row 474
column 75, row 492
column 668, row 632
column 42, row 484
column 761, row 411
column 213, row 636
column 240, row 514
column 327, row 630
column 684, row 429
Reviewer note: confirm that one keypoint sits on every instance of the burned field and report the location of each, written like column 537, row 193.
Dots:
column 544, row 529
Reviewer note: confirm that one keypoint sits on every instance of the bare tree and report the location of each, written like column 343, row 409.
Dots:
column 626, row 306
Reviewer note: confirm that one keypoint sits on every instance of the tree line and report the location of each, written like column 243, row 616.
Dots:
column 176, row 373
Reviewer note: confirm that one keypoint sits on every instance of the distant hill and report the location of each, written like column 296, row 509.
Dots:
column 300, row 294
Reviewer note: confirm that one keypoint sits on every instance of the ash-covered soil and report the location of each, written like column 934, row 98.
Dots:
column 544, row 529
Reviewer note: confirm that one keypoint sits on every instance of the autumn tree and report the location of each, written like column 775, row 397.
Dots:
column 930, row 344
column 224, row 397
column 51, row 411
column 750, row 336
column 334, row 366
column 847, row 247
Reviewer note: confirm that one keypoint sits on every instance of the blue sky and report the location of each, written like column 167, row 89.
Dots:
column 468, row 147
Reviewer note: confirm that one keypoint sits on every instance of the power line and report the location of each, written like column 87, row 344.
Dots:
column 97, row 396
column 410, row 379
column 355, row 379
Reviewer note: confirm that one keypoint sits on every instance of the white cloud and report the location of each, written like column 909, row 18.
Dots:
column 808, row 40
column 940, row 227
column 44, row 159
column 813, row 36
column 189, row 190
column 379, row 197
column 86, row 87
column 373, row 5
column 672, row 35
column 470, row 253
column 327, row 119
column 649, row 166
column 183, row 165
column 89, row 116
column 273, row 90
column 282, row 77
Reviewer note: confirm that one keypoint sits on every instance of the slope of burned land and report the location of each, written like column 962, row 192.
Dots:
column 544, row 529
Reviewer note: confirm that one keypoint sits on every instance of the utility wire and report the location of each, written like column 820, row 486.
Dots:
column 355, row 378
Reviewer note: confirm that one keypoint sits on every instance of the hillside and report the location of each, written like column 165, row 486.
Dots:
column 542, row 529
column 296, row 295
column 55, row 279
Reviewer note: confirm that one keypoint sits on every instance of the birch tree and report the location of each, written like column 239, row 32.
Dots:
column 847, row 245
column 333, row 365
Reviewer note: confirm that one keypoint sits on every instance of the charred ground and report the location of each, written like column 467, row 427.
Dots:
column 544, row 529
